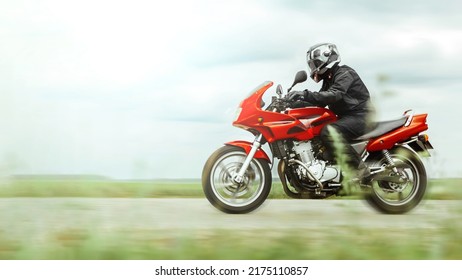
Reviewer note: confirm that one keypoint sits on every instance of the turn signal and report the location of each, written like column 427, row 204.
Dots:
column 423, row 137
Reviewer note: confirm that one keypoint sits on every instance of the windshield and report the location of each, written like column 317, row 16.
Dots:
column 264, row 84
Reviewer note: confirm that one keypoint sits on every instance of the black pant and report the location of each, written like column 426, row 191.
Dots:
column 347, row 128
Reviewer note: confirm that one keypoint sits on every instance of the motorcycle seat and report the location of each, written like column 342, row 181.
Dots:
column 380, row 128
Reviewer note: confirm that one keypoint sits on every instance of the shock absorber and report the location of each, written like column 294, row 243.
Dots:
column 387, row 156
column 390, row 161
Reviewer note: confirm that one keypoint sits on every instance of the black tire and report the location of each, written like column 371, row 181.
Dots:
column 393, row 198
column 223, row 193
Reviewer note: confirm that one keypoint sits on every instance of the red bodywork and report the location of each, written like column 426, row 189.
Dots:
column 305, row 123
column 388, row 140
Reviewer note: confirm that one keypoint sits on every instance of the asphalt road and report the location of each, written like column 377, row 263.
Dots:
column 36, row 217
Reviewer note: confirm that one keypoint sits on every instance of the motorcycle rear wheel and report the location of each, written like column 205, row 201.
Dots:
column 224, row 193
column 394, row 198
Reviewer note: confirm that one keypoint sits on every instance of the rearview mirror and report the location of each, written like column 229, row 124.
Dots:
column 300, row 77
column 279, row 90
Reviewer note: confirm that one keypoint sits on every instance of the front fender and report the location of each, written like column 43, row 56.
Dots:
column 247, row 146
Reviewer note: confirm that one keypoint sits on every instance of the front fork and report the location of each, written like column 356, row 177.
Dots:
column 239, row 176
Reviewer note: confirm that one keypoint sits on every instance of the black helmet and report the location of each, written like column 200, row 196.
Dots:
column 320, row 58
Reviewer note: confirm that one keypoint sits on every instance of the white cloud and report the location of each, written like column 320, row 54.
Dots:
column 149, row 88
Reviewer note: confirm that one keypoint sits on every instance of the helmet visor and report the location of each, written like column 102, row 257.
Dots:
column 314, row 65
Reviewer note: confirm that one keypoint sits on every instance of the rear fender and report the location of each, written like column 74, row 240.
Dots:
column 247, row 146
column 420, row 145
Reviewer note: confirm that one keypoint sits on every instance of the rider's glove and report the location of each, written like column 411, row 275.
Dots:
column 296, row 95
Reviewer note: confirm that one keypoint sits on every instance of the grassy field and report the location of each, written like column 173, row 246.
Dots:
column 437, row 189
column 350, row 243
column 443, row 241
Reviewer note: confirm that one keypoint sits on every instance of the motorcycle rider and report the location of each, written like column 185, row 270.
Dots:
column 345, row 94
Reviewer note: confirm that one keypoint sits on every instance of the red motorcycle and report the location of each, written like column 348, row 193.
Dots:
column 237, row 177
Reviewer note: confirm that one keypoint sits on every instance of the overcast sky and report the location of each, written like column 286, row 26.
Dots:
column 148, row 89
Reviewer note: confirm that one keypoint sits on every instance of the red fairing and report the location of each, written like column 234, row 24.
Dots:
column 388, row 140
column 305, row 123
column 247, row 146
column 299, row 124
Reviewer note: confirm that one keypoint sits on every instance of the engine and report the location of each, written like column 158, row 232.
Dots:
column 305, row 157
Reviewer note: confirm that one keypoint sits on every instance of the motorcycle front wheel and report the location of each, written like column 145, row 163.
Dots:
column 224, row 193
column 399, row 198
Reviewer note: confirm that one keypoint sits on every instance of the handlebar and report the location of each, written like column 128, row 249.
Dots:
column 281, row 104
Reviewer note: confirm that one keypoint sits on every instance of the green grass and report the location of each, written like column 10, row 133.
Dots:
column 450, row 188
column 444, row 243
column 437, row 189
column 443, row 240
column 99, row 189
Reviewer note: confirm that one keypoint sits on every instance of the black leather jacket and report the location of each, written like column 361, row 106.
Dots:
column 343, row 92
